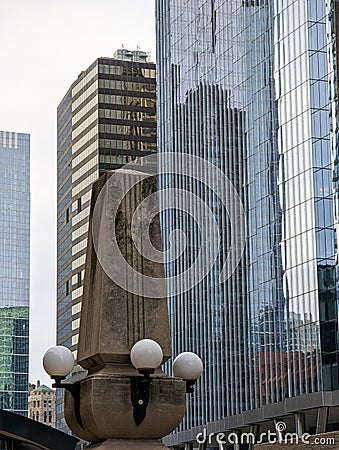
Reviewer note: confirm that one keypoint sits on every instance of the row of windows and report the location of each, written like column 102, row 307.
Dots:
column 117, row 114
column 115, row 144
column 116, row 159
column 127, row 70
column 44, row 403
column 45, row 416
column 126, row 86
column 131, row 130
column 127, row 100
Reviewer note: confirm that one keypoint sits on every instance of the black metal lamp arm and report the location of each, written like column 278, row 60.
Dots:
column 74, row 389
column 140, row 387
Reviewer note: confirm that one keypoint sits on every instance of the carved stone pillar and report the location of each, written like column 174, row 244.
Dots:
column 113, row 319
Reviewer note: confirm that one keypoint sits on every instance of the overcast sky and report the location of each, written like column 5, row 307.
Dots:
column 45, row 44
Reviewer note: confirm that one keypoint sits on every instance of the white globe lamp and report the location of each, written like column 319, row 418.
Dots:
column 58, row 361
column 146, row 355
column 189, row 367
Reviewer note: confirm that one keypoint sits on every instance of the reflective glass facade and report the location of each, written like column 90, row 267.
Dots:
column 14, row 270
column 251, row 86
column 106, row 119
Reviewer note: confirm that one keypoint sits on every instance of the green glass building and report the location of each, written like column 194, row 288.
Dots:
column 14, row 270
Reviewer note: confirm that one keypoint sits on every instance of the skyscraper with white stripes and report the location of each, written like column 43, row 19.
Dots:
column 105, row 120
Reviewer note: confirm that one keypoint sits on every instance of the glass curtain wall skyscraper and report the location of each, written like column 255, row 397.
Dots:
column 251, row 86
column 106, row 119
column 14, row 270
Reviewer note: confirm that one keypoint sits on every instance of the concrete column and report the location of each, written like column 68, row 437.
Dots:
column 236, row 446
column 299, row 420
column 255, row 430
column 322, row 420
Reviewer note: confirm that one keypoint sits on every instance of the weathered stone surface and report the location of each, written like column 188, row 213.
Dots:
column 117, row 444
column 112, row 319
column 106, row 408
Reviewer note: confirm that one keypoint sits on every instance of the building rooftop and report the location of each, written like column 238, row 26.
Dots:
column 39, row 387
column 43, row 387
column 138, row 55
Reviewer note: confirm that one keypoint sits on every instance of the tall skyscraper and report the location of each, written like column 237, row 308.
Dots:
column 105, row 120
column 14, row 270
column 251, row 86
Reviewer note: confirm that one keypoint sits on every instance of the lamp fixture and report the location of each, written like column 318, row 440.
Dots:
column 146, row 356
column 189, row 367
column 59, row 362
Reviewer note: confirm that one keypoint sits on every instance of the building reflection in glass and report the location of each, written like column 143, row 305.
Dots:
column 271, row 332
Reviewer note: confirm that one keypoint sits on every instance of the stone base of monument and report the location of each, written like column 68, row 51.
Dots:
column 124, row 444
column 106, row 409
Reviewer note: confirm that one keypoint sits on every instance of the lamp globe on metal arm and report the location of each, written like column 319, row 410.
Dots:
column 59, row 362
column 146, row 356
column 189, row 367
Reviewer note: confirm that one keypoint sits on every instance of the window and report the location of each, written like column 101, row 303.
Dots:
column 79, row 280
column 79, row 204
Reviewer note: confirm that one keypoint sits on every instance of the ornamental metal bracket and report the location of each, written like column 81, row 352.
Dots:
column 74, row 390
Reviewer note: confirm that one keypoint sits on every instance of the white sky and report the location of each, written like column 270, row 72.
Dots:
column 44, row 45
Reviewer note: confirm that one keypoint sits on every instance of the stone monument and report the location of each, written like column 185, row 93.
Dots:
column 112, row 320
